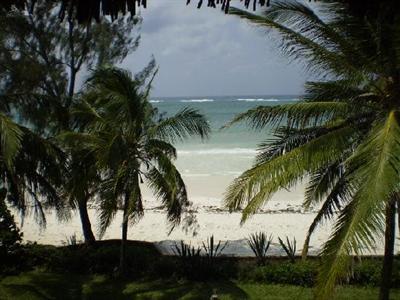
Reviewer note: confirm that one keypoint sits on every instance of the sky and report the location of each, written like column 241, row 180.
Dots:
column 203, row 52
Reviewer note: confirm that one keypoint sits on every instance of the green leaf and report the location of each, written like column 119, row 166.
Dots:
column 299, row 115
column 374, row 170
column 11, row 137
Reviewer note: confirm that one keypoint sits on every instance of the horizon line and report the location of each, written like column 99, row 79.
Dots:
column 229, row 95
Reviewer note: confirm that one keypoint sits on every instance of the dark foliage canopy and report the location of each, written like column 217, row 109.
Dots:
column 10, row 236
column 87, row 10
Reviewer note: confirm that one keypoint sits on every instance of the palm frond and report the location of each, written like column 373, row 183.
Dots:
column 324, row 27
column 285, row 139
column 321, row 183
column 363, row 218
column 108, row 204
column 135, row 207
column 259, row 183
column 84, row 113
column 35, row 175
column 297, row 45
column 299, row 115
column 11, row 136
column 168, row 185
column 337, row 197
column 187, row 122
column 117, row 93
column 154, row 146
column 334, row 90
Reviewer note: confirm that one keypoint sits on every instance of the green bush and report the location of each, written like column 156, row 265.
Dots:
column 28, row 257
column 10, row 236
column 103, row 257
column 300, row 273
column 164, row 268
column 368, row 272
column 143, row 260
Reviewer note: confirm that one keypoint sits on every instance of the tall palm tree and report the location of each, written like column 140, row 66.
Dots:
column 131, row 143
column 343, row 138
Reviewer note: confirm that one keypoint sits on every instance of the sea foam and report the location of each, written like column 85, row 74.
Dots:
column 257, row 100
column 218, row 151
column 197, row 100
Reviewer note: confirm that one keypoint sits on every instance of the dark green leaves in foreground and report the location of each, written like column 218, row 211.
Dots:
column 376, row 168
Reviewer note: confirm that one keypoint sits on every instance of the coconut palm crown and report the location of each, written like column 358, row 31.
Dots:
column 343, row 138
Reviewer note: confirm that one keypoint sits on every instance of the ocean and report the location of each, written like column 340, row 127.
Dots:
column 209, row 166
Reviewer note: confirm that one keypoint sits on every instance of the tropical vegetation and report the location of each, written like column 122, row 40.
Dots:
column 101, row 141
column 131, row 145
column 41, row 58
column 259, row 243
column 343, row 138
column 44, row 165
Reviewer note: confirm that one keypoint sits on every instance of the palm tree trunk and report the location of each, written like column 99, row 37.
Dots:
column 398, row 214
column 304, row 252
column 85, row 221
column 124, row 235
column 389, row 248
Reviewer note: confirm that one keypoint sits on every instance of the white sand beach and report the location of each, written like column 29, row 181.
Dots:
column 223, row 225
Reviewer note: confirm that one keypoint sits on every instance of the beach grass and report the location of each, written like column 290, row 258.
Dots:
column 44, row 285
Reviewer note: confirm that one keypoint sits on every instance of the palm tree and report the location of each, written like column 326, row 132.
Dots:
column 343, row 138
column 31, row 170
column 131, row 143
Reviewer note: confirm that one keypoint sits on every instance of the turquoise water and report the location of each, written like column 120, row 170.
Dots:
column 219, row 111
column 228, row 151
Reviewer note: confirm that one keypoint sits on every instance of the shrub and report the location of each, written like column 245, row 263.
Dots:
column 190, row 260
column 301, row 273
column 167, row 267
column 10, row 238
column 10, row 235
column 213, row 250
column 289, row 247
column 196, row 265
column 368, row 272
column 259, row 244
column 102, row 257
column 185, row 251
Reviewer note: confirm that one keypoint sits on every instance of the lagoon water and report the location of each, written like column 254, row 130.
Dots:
column 208, row 167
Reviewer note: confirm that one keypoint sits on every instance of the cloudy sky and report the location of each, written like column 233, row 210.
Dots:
column 206, row 53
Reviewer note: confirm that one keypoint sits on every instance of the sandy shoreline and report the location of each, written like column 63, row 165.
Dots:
column 223, row 225
column 282, row 216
